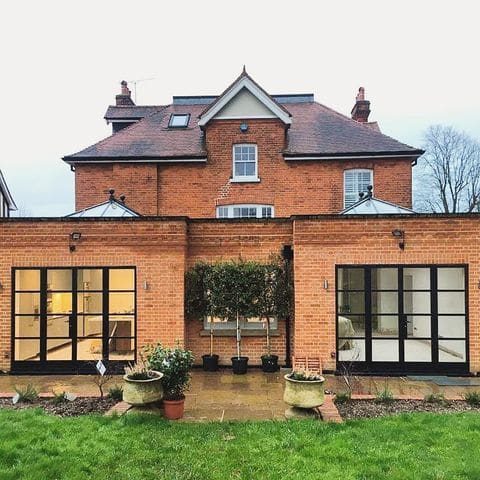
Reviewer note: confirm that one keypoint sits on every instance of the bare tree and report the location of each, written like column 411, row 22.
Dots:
column 449, row 177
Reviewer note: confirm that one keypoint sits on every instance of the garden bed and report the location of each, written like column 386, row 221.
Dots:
column 79, row 406
column 371, row 408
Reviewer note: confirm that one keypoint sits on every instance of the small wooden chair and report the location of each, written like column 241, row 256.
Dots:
column 312, row 364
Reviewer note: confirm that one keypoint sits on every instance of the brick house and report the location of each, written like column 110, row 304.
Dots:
column 244, row 174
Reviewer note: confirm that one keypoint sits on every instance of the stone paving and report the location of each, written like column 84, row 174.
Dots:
column 223, row 396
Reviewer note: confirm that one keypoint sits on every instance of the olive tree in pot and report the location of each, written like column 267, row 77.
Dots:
column 275, row 301
column 197, row 306
column 234, row 289
column 175, row 364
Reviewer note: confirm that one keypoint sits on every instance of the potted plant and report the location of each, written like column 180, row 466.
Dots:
column 197, row 306
column 304, row 389
column 175, row 365
column 274, row 302
column 142, row 385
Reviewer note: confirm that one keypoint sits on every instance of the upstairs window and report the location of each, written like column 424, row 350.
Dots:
column 245, row 163
column 179, row 120
column 356, row 182
column 245, row 211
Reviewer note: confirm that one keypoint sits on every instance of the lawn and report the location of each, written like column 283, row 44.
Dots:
column 34, row 445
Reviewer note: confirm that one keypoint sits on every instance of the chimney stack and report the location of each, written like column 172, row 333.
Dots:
column 361, row 109
column 125, row 97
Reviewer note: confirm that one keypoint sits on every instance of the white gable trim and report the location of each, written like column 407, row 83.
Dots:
column 244, row 82
column 6, row 192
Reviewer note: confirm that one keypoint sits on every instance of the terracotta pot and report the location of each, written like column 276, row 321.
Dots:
column 143, row 392
column 173, row 409
column 302, row 393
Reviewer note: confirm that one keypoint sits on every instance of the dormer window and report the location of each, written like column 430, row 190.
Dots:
column 245, row 163
column 179, row 120
column 356, row 182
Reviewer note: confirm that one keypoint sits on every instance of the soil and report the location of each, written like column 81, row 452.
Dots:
column 371, row 408
column 79, row 406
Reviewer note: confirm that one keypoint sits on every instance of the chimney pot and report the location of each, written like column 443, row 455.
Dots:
column 125, row 96
column 361, row 109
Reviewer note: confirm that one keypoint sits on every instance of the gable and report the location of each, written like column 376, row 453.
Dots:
column 245, row 105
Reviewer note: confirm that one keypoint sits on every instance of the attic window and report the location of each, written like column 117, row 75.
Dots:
column 179, row 120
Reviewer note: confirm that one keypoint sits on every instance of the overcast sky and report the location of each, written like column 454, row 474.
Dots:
column 62, row 62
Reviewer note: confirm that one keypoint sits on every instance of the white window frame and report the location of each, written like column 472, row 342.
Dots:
column 356, row 191
column 244, row 178
column 228, row 211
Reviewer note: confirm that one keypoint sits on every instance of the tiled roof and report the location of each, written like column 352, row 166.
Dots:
column 315, row 131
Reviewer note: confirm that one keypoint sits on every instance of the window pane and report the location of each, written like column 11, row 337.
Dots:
column 89, row 325
column 416, row 278
column 90, row 279
column 121, row 348
column 27, row 326
column 351, row 326
column 451, row 326
column 385, row 302
column 27, row 350
column 452, row 351
column 59, row 302
column 250, row 169
column 418, row 350
column 385, row 326
column 59, row 349
column 416, row 302
column 59, row 279
column 121, row 302
column 351, row 279
column 451, row 278
column 239, row 169
column 419, row 326
column 90, row 302
column 121, row 326
column 385, row 351
column 27, row 280
column 58, row 326
column 27, row 303
column 122, row 279
column 351, row 350
column 89, row 349
column 178, row 120
column 384, row 279
column 351, row 302
column 451, row 302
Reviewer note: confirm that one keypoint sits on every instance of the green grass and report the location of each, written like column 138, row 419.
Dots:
column 37, row 446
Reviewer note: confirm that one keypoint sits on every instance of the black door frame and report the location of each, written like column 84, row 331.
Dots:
column 402, row 367
column 44, row 366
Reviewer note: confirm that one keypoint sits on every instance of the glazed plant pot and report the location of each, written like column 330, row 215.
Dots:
column 304, row 393
column 143, row 392
column 270, row 363
column 240, row 365
column 173, row 409
column 210, row 363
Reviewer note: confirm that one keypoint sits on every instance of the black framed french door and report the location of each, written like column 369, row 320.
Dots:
column 68, row 318
column 402, row 318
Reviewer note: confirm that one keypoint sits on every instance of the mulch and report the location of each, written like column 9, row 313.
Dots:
column 79, row 406
column 371, row 409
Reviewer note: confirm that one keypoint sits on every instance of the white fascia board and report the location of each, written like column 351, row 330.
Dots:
column 6, row 193
column 254, row 90
column 353, row 157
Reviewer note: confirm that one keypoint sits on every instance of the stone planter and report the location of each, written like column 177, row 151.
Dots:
column 302, row 393
column 143, row 392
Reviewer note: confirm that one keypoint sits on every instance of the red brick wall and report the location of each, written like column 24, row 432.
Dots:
column 194, row 190
column 138, row 182
column 321, row 244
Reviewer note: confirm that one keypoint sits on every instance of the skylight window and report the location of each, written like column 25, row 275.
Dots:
column 179, row 120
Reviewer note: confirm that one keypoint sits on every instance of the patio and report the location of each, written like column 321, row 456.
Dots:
column 223, row 396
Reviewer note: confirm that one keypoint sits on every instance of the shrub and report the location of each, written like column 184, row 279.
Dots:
column 139, row 371
column 116, row 392
column 385, row 396
column 59, row 397
column 343, row 397
column 305, row 376
column 437, row 398
column 27, row 394
column 175, row 364
column 472, row 398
